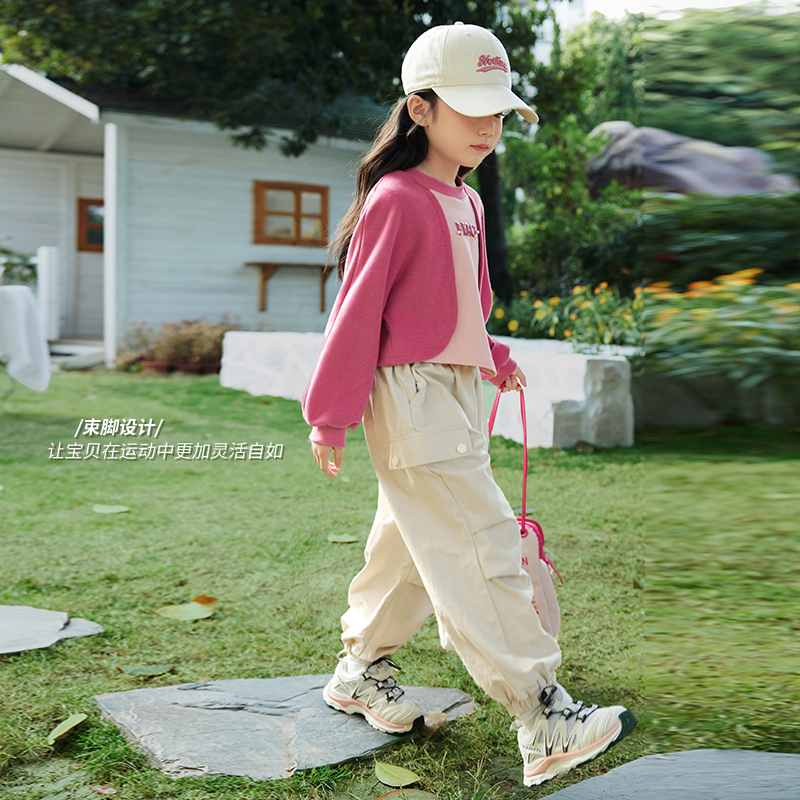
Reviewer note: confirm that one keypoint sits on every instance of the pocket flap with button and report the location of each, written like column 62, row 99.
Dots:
column 429, row 447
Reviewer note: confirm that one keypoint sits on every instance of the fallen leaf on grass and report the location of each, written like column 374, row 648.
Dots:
column 342, row 538
column 155, row 669
column 407, row 794
column 67, row 725
column 432, row 723
column 202, row 606
column 394, row 776
column 101, row 509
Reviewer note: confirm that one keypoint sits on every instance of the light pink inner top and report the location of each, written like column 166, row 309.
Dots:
column 468, row 344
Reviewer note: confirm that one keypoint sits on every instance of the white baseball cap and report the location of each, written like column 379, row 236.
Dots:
column 467, row 67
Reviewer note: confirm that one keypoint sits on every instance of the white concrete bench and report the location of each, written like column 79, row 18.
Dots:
column 570, row 397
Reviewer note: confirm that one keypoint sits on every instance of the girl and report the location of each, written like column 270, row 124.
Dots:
column 405, row 349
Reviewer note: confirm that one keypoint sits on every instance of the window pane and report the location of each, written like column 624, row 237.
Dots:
column 94, row 236
column 278, row 200
column 282, row 227
column 311, row 228
column 312, row 203
column 95, row 214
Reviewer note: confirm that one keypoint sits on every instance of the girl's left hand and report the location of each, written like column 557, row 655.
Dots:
column 513, row 381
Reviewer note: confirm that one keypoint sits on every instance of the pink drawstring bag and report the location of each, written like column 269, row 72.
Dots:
column 534, row 560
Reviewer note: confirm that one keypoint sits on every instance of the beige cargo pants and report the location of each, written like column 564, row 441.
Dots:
column 444, row 538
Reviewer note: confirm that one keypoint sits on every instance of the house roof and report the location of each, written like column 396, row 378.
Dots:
column 365, row 116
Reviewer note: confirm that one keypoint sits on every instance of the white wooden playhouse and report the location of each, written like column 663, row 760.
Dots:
column 158, row 217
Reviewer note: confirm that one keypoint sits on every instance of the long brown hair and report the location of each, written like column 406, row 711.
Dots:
column 400, row 144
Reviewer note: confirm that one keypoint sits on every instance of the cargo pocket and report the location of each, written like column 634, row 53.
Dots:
column 429, row 447
column 499, row 550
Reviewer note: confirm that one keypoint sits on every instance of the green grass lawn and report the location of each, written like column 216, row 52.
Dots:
column 254, row 535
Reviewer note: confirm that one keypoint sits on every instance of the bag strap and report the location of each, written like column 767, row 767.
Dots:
column 525, row 523
column 524, row 440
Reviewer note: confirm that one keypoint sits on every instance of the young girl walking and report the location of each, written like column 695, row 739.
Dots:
column 405, row 351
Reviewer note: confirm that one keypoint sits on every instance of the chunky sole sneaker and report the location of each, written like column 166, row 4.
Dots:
column 565, row 734
column 374, row 694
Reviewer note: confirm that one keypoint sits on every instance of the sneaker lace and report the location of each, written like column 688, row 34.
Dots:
column 578, row 709
column 386, row 686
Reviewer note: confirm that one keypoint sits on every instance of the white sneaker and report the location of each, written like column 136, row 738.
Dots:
column 564, row 734
column 375, row 694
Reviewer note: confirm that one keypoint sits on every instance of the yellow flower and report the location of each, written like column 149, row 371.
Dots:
column 657, row 287
column 577, row 289
column 586, row 304
column 513, row 325
column 499, row 314
column 554, row 301
column 537, row 303
column 793, row 285
column 637, row 291
column 552, row 331
column 603, row 299
column 787, row 309
column 567, row 333
column 668, row 295
column 573, row 316
column 637, row 304
column 540, row 314
column 700, row 285
column 603, row 285
column 601, row 327
column 748, row 273
column 523, row 293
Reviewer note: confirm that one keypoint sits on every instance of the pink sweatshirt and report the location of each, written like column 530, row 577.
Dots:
column 397, row 303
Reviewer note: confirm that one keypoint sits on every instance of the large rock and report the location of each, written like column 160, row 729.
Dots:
column 570, row 397
column 650, row 158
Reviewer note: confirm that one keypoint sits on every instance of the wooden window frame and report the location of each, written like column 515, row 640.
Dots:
column 84, row 225
column 260, row 189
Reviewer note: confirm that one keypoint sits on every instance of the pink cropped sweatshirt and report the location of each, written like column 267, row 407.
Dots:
column 397, row 303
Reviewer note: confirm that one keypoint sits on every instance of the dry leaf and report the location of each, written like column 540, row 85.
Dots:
column 342, row 538
column 432, row 723
column 202, row 606
column 101, row 509
column 394, row 776
column 155, row 669
column 407, row 794
column 67, row 725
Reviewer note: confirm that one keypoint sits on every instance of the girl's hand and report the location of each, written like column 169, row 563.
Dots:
column 322, row 455
column 513, row 381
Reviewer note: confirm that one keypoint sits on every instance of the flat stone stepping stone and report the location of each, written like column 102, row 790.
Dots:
column 696, row 775
column 28, row 628
column 260, row 728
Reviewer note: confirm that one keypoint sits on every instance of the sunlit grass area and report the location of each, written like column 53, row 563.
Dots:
column 253, row 534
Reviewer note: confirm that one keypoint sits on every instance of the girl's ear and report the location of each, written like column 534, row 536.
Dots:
column 418, row 109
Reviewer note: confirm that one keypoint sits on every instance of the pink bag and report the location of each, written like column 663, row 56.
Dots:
column 534, row 560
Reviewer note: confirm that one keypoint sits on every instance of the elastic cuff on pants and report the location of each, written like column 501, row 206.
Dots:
column 519, row 707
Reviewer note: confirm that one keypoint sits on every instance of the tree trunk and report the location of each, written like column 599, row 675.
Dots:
column 496, row 250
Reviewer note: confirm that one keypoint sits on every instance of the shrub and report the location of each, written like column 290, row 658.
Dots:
column 586, row 317
column 185, row 342
column 698, row 238
column 18, row 267
column 730, row 327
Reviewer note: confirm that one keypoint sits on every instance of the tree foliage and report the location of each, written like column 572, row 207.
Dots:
column 559, row 236
column 235, row 61
column 610, row 57
column 728, row 76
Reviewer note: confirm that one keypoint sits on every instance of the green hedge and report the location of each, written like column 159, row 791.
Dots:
column 700, row 238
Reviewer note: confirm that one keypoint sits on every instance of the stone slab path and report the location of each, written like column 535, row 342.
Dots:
column 262, row 728
column 696, row 775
